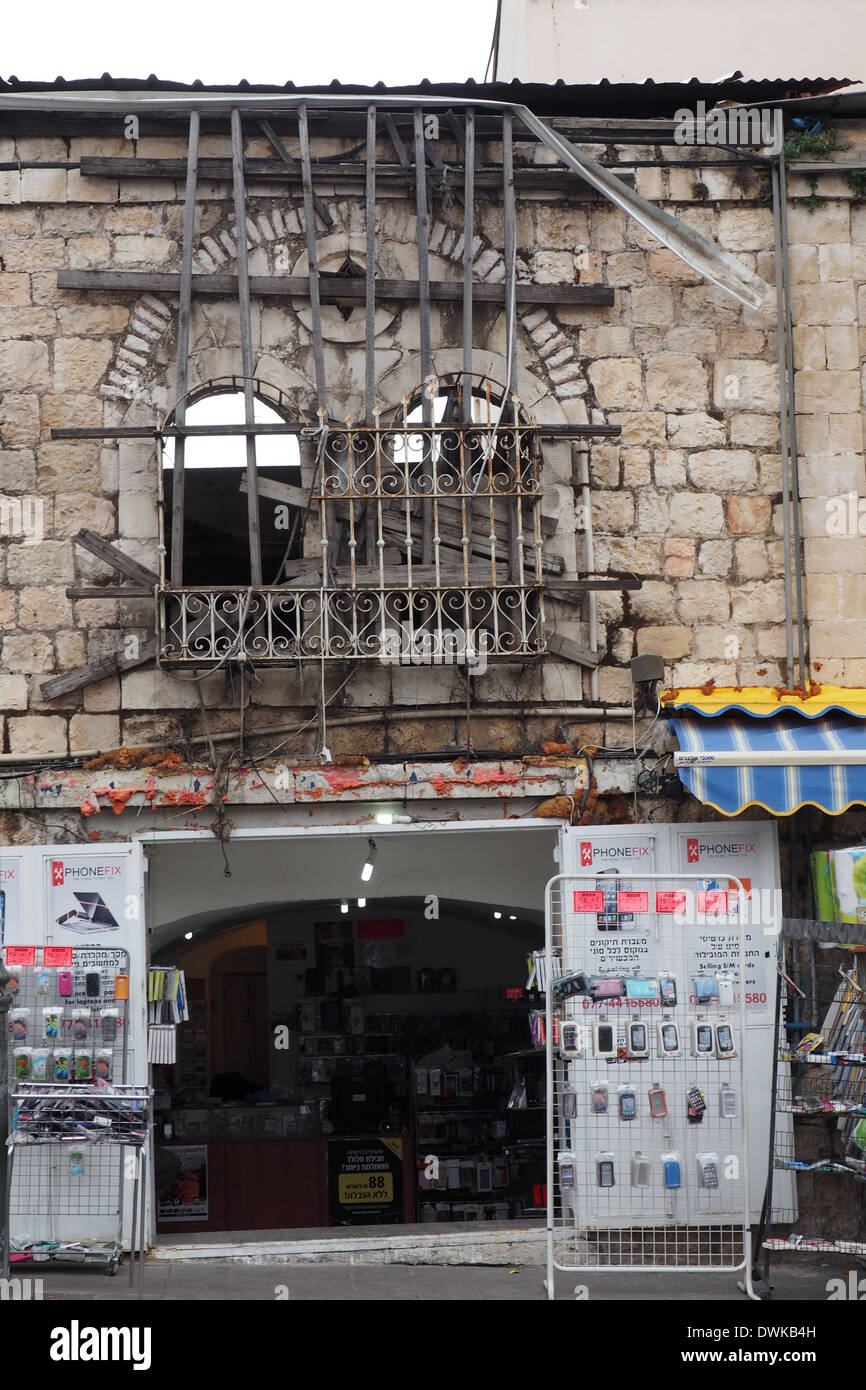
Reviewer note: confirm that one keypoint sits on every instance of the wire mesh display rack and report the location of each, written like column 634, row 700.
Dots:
column 819, row 1130
column 647, row 1155
column 78, row 1135
column 78, row 1146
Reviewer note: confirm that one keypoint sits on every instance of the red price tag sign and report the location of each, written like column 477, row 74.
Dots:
column 627, row 900
column 713, row 900
column 588, row 900
column 670, row 902
column 20, row 955
column 57, row 955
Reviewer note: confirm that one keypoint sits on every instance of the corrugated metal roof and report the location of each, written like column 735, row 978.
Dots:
column 647, row 98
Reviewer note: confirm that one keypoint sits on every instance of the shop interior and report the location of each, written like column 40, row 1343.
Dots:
column 352, row 1062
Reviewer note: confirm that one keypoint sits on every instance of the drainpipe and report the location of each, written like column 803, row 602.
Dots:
column 6, row 1002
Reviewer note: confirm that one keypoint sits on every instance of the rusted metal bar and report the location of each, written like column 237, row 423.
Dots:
column 240, row 201
column 182, row 371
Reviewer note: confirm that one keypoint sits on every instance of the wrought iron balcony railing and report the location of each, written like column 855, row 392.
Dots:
column 428, row 547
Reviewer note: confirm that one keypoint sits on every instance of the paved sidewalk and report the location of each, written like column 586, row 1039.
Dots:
column 215, row 1281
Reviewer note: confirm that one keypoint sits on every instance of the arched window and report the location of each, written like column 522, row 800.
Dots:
column 216, row 549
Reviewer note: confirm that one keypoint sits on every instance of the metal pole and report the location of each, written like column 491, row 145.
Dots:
column 781, row 337
column 6, row 1001
column 792, row 415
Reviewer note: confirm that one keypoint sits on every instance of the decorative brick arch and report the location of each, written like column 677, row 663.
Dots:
column 129, row 375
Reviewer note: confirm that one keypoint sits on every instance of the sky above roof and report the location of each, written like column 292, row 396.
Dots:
column 363, row 41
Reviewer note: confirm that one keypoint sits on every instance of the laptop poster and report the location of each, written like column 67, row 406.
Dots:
column 86, row 897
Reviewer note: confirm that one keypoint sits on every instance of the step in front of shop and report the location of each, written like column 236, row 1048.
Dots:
column 447, row 1245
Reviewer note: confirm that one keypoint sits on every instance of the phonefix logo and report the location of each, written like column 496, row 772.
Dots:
column 589, row 852
column 60, row 871
column 695, row 848
column 77, row 1343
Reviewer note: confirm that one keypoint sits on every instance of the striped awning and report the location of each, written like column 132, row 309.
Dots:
column 781, row 763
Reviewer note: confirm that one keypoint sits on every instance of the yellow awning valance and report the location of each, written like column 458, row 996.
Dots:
column 765, row 701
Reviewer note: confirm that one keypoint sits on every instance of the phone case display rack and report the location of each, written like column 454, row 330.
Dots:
column 77, row 1132
column 820, row 1117
column 647, row 1151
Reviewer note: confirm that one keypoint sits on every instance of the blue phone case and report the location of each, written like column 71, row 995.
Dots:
column 672, row 1173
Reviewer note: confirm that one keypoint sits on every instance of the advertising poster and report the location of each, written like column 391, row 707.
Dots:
column 335, row 949
column 10, row 899
column 365, row 1178
column 87, row 898
column 181, row 1180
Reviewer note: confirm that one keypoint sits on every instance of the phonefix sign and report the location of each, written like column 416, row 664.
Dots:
column 626, row 909
column 87, row 897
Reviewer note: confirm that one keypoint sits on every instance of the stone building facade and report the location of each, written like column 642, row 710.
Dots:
column 688, row 498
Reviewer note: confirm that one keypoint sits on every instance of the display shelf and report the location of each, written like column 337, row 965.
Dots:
column 827, row 1152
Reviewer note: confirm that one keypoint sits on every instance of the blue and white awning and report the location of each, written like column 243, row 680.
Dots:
column 780, row 763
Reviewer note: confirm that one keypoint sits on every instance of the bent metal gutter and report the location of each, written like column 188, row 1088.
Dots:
column 699, row 252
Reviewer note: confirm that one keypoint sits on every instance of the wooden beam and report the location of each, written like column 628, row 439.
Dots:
column 423, row 240
column 89, row 540
column 107, row 591
column 569, row 650
column 97, row 671
column 216, row 170
column 371, row 507
column 240, row 202
column 333, row 289
column 293, row 164
column 279, row 492
column 182, row 369
column 569, row 588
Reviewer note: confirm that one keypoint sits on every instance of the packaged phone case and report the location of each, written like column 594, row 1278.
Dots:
column 83, row 1066
column 598, row 1095
column 64, row 983
column 109, row 1025
column 80, row 1025
column 43, row 982
column 121, row 988
column 51, row 1022
column 62, row 1066
column 39, row 1064
column 22, row 1063
column 18, row 1024
column 104, row 1063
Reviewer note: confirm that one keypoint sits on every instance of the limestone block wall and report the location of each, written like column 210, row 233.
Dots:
column 688, row 498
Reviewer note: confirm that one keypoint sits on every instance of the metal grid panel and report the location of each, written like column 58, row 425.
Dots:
column 820, row 1102
column 641, row 1221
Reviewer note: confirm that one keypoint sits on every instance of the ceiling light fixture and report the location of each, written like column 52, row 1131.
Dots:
column 367, row 871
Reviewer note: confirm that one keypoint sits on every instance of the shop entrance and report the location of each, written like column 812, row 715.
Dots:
column 379, row 1071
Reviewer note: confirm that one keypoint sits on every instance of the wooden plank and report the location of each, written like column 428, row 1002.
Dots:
column 468, row 237
column 371, row 507
column 280, row 149
column 89, row 540
column 217, row 170
column 240, row 202
column 107, row 591
column 399, row 147
column 423, row 242
column 312, row 257
column 551, row 564
column 566, row 589
column 97, row 671
column 569, row 650
column 333, row 289
column 182, row 368
column 279, row 492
